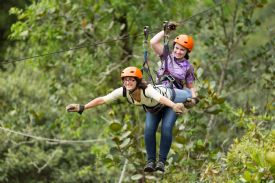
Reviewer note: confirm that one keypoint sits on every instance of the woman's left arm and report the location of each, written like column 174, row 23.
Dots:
column 193, row 89
column 194, row 100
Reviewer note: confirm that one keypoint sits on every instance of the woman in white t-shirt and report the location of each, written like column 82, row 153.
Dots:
column 155, row 100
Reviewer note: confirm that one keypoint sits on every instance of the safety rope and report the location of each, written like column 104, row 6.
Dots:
column 145, row 66
column 60, row 141
column 166, row 47
column 166, row 33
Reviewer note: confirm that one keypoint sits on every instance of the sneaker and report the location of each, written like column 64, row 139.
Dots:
column 150, row 166
column 160, row 166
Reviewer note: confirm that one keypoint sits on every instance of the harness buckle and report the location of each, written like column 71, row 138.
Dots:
column 170, row 78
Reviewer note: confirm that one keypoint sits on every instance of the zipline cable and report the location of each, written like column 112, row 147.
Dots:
column 200, row 13
column 153, row 32
column 104, row 42
column 60, row 141
column 69, row 49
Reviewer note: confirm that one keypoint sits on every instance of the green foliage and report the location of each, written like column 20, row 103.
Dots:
column 233, row 59
column 249, row 159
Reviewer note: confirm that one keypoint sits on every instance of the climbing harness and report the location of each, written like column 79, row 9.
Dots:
column 157, row 107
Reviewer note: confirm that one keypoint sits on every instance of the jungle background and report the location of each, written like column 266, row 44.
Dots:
column 54, row 53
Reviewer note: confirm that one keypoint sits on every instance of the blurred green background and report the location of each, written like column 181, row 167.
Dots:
column 54, row 53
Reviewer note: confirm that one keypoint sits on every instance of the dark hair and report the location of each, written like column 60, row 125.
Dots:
column 186, row 56
column 141, row 83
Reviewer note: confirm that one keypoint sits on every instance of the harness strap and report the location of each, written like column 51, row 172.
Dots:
column 124, row 92
column 151, row 109
column 166, row 32
column 145, row 66
column 172, row 80
column 157, row 108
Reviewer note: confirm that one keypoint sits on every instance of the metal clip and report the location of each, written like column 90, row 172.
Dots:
column 146, row 33
column 166, row 32
column 165, row 26
column 170, row 78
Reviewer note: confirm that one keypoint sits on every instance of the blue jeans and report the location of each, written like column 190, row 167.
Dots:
column 169, row 118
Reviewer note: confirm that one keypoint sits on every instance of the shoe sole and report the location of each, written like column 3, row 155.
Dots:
column 159, row 169
column 149, row 170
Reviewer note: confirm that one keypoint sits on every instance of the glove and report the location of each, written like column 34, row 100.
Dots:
column 191, row 102
column 75, row 108
column 172, row 26
column 179, row 108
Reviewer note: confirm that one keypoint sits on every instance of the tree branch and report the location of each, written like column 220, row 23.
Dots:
column 46, row 164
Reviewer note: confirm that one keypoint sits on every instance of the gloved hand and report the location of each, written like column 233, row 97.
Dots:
column 75, row 108
column 172, row 26
column 191, row 102
column 178, row 108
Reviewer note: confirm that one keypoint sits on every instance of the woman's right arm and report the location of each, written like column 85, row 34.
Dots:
column 154, row 94
column 95, row 102
column 155, row 43
column 80, row 108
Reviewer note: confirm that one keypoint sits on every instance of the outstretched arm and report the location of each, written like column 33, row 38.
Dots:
column 80, row 108
column 94, row 102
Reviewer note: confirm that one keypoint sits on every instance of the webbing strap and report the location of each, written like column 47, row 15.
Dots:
column 145, row 66
column 124, row 92
column 157, row 108
column 165, row 57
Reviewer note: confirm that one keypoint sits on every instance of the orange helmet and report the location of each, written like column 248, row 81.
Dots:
column 131, row 72
column 185, row 41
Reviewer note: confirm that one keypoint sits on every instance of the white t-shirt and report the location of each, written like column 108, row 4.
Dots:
column 150, row 99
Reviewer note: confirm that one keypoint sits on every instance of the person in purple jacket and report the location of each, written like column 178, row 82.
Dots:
column 175, row 72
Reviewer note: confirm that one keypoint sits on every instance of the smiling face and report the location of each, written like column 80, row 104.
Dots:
column 130, row 83
column 179, row 51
